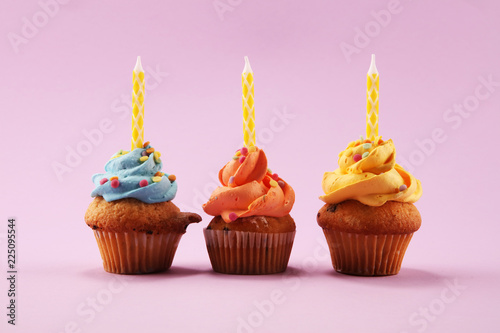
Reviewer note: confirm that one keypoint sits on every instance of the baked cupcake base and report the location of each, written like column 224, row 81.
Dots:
column 242, row 252
column 367, row 240
column 136, row 252
column 367, row 255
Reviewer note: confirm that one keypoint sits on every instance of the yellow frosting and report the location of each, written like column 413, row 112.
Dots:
column 368, row 173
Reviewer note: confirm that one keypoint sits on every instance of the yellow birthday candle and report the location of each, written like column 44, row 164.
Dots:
column 138, row 105
column 248, row 105
column 372, row 101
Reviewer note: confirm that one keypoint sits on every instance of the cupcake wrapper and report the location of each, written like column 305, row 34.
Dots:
column 136, row 252
column 367, row 255
column 241, row 252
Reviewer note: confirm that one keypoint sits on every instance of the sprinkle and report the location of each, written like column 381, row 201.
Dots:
column 367, row 145
column 273, row 183
column 238, row 153
column 143, row 183
column 269, row 170
column 235, row 157
column 365, row 154
column 172, row 178
column 115, row 183
column 144, row 153
column 275, row 176
column 356, row 157
column 159, row 174
column 366, row 141
column 157, row 155
column 145, row 144
column 231, row 179
column 242, row 159
column 143, row 159
column 252, row 149
column 281, row 183
column 348, row 152
column 156, row 179
column 150, row 150
column 103, row 181
column 244, row 151
column 113, row 178
column 402, row 188
column 233, row 216
column 361, row 138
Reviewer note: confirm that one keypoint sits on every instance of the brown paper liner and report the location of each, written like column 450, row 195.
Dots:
column 367, row 255
column 136, row 252
column 242, row 252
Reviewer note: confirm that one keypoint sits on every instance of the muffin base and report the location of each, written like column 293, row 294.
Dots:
column 136, row 252
column 367, row 255
column 248, row 253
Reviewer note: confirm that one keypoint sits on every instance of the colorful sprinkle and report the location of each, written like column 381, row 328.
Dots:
column 273, row 183
column 366, row 141
column 348, row 152
column 365, row 154
column 233, row 216
column 156, row 179
column 103, row 181
column 252, row 149
column 244, row 151
column 144, row 153
column 361, row 138
column 242, row 159
column 238, row 153
column 235, row 157
column 403, row 187
column 143, row 158
column 113, row 178
column 115, row 183
column 150, row 150
column 157, row 155
column 269, row 170
column 172, row 178
column 281, row 183
column 145, row 144
column 275, row 176
column 367, row 145
column 159, row 174
column 356, row 157
column 231, row 179
column 143, row 183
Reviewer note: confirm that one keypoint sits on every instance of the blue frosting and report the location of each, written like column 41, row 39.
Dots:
column 130, row 171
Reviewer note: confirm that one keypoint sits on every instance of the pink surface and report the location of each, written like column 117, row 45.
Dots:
column 71, row 74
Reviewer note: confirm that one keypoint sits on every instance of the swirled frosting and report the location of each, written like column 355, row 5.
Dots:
column 369, row 174
column 249, row 188
column 135, row 174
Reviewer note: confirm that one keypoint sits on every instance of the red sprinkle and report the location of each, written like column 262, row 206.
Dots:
column 275, row 176
column 244, row 151
column 143, row 183
column 233, row 216
column 357, row 157
column 115, row 183
column 281, row 183
column 242, row 159
column 103, row 181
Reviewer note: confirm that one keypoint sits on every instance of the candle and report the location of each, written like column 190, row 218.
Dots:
column 138, row 105
column 248, row 105
column 372, row 101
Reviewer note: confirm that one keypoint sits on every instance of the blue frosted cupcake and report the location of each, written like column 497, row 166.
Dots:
column 135, row 223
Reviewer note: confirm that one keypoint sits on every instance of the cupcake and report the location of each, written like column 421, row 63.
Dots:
column 135, row 223
column 369, row 217
column 252, row 231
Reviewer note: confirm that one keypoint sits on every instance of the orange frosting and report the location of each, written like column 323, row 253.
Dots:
column 248, row 189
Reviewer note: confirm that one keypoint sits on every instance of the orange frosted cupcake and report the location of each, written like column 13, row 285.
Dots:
column 252, row 231
column 369, row 217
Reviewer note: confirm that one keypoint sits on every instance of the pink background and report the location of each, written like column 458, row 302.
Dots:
column 70, row 74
